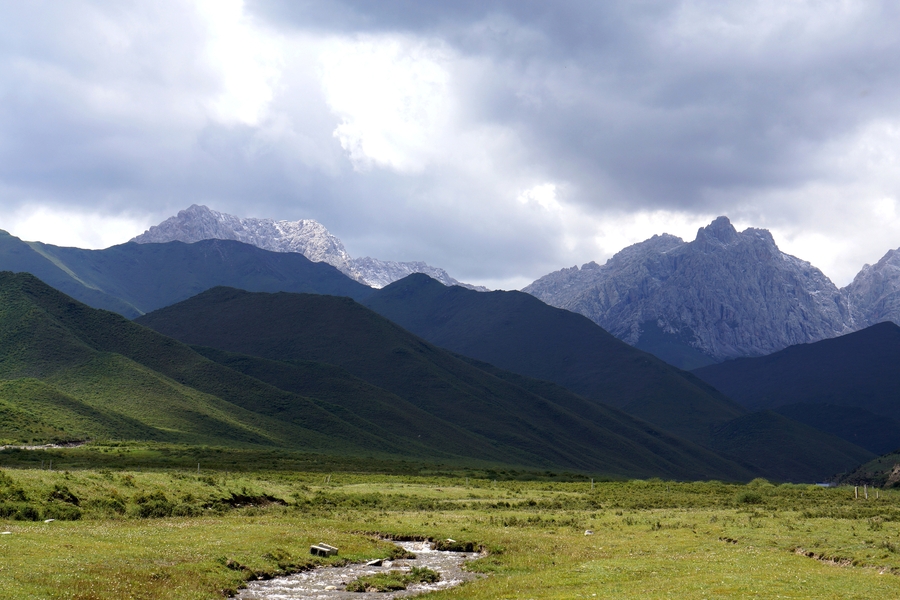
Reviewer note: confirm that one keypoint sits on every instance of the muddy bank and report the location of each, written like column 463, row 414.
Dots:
column 328, row 583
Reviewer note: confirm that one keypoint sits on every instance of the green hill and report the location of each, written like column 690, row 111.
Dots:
column 311, row 372
column 883, row 471
column 32, row 411
column 20, row 257
column 68, row 371
column 74, row 372
column 132, row 279
column 285, row 328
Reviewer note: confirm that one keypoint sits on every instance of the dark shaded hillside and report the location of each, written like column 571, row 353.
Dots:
column 338, row 331
column 765, row 442
column 875, row 433
column 788, row 450
column 517, row 332
column 20, row 257
column 150, row 276
column 133, row 279
column 366, row 406
column 857, row 370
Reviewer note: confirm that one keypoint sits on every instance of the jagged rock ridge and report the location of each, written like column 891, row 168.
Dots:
column 306, row 236
column 379, row 273
column 874, row 294
column 725, row 294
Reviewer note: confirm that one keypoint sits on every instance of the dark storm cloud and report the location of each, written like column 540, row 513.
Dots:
column 694, row 107
column 662, row 116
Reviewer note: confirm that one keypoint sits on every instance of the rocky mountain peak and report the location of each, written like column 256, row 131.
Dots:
column 723, row 295
column 305, row 236
column 874, row 294
column 719, row 232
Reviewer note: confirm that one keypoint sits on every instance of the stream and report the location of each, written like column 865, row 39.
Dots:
column 313, row 584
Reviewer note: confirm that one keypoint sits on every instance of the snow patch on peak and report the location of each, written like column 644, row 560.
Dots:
column 379, row 273
column 305, row 236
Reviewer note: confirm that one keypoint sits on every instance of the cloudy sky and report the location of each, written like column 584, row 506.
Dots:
column 499, row 140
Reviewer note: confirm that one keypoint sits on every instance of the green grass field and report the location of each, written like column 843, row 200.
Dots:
column 173, row 533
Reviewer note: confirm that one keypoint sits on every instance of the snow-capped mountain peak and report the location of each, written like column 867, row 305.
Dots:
column 305, row 236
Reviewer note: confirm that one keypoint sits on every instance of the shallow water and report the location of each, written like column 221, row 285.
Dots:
column 312, row 584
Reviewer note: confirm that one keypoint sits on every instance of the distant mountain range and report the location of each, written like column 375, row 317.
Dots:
column 724, row 295
column 519, row 333
column 132, row 279
column 307, row 237
column 529, row 384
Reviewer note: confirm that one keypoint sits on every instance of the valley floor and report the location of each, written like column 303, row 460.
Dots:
column 178, row 534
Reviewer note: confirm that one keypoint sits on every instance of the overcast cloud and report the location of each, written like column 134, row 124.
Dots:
column 499, row 140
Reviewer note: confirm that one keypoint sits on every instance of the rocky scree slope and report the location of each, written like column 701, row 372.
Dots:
column 306, row 236
column 726, row 294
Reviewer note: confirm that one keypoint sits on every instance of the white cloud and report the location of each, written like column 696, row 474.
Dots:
column 248, row 58
column 543, row 195
column 71, row 227
column 393, row 97
column 500, row 141
column 846, row 217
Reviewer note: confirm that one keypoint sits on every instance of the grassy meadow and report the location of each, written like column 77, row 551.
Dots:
column 167, row 531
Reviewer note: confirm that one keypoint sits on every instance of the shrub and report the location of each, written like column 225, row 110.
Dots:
column 154, row 505
column 748, row 498
column 393, row 581
column 62, row 512
column 18, row 511
column 62, row 493
column 454, row 546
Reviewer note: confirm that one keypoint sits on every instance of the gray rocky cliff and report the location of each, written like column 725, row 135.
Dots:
column 874, row 294
column 306, row 236
column 726, row 293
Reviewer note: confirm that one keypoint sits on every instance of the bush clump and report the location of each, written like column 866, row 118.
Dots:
column 62, row 493
column 153, row 505
column 19, row 511
column 393, row 581
column 748, row 498
column 454, row 546
column 400, row 553
column 62, row 512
